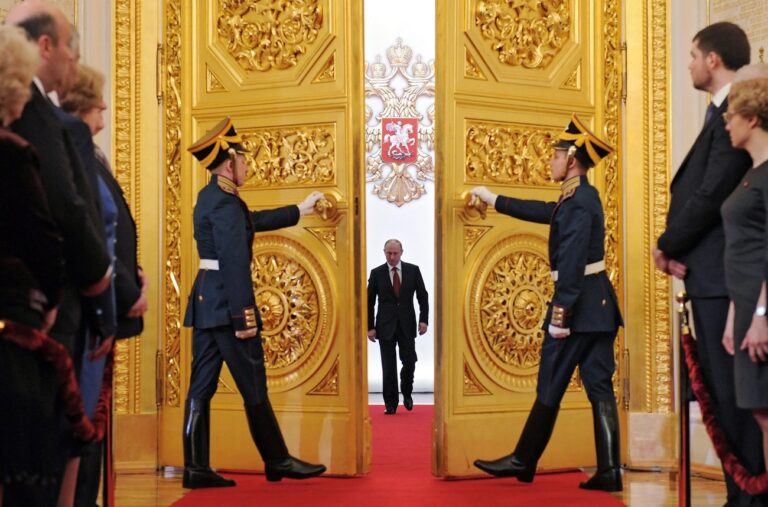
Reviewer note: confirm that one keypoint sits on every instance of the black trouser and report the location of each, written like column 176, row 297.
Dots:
column 407, row 347
column 740, row 428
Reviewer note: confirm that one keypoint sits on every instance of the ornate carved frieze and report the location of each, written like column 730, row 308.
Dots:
column 172, row 200
column 269, row 34
column 526, row 33
column 327, row 236
column 507, row 153
column 291, row 155
column 472, row 234
column 292, row 295
column 400, row 138
column 507, row 305
column 329, row 386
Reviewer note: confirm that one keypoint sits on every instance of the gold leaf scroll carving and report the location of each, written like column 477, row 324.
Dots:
column 297, row 155
column 508, row 154
column 527, row 33
column 268, row 34
column 330, row 383
column 472, row 386
column 471, row 69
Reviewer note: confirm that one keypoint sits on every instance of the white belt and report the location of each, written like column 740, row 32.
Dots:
column 589, row 269
column 212, row 264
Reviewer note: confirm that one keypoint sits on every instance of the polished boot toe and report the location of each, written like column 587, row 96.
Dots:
column 204, row 478
column 607, row 480
column 508, row 466
column 292, row 468
column 408, row 402
column 390, row 410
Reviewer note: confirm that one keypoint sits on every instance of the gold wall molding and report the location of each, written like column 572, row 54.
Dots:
column 574, row 80
column 506, row 153
column 293, row 297
column 472, row 234
column 327, row 73
column 327, row 236
column 290, row 155
column 172, row 201
column 526, row 33
column 212, row 83
column 329, row 385
column 270, row 34
column 223, row 387
column 472, row 386
column 471, row 69
column 507, row 302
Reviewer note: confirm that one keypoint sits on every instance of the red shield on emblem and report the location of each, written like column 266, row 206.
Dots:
column 399, row 140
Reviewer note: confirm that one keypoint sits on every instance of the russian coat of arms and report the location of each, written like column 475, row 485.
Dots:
column 399, row 133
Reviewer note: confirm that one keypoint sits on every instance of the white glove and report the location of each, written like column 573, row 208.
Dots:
column 307, row 206
column 558, row 332
column 485, row 195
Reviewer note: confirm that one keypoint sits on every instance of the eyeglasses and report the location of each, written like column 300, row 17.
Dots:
column 728, row 116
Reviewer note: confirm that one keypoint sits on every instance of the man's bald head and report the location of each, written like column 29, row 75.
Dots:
column 47, row 26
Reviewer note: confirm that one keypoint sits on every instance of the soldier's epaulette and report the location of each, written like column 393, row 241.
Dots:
column 227, row 185
column 569, row 188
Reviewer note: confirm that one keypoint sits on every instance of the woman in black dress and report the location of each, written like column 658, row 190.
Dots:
column 745, row 219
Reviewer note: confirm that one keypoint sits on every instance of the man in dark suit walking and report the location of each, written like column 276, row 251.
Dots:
column 691, row 247
column 394, row 284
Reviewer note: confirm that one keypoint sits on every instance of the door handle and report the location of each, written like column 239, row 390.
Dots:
column 474, row 206
column 327, row 207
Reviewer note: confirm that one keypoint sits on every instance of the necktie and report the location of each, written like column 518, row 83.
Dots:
column 711, row 108
column 395, row 282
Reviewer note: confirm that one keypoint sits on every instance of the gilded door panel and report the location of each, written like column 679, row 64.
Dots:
column 511, row 74
column 288, row 73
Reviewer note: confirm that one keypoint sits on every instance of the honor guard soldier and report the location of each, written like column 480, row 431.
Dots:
column 222, row 310
column 583, row 316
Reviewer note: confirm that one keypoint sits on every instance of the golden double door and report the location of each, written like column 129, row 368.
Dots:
column 290, row 74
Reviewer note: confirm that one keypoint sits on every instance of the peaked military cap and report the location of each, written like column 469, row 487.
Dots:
column 217, row 144
column 589, row 148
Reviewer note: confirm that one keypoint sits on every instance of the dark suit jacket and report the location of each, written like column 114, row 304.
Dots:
column 396, row 311
column 27, row 231
column 576, row 238
column 70, row 199
column 224, row 229
column 127, row 281
column 694, row 233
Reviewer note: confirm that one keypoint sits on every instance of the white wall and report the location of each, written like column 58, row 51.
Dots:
column 412, row 223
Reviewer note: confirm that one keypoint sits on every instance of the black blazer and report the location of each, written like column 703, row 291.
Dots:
column 127, row 282
column 394, row 311
column 694, row 233
column 67, row 188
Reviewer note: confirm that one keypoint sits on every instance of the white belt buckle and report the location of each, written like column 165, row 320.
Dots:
column 589, row 269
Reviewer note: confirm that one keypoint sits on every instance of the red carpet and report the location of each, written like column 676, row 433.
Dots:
column 401, row 476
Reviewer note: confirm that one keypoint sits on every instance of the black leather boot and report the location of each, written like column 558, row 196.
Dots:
column 269, row 440
column 608, row 475
column 522, row 462
column 197, row 470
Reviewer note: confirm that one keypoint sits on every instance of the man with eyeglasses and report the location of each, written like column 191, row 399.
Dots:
column 692, row 246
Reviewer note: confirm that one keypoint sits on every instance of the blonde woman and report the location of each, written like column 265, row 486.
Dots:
column 745, row 218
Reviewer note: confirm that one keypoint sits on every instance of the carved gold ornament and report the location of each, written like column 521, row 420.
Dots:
column 293, row 297
column 527, row 33
column 268, row 34
column 400, row 136
column 508, row 301
column 290, row 156
column 508, row 154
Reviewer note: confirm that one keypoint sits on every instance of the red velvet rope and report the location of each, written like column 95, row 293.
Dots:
column 54, row 353
column 752, row 484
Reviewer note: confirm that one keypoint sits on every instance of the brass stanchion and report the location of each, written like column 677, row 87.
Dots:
column 684, row 461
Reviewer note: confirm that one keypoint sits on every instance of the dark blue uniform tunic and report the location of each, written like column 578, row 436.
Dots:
column 586, row 304
column 222, row 301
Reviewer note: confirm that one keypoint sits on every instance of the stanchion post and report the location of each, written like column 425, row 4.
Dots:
column 684, row 461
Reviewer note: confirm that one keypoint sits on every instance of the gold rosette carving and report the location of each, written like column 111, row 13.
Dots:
column 508, row 301
column 293, row 297
column 525, row 33
column 268, row 34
